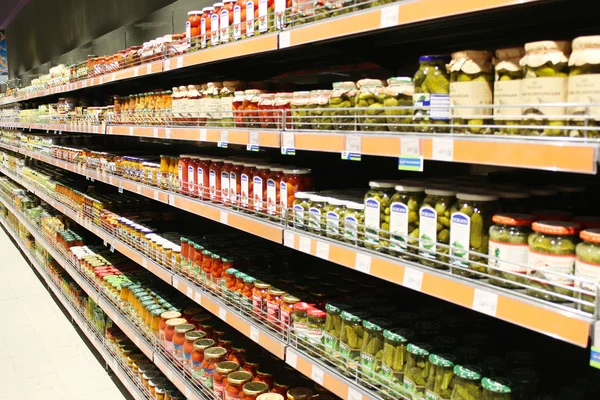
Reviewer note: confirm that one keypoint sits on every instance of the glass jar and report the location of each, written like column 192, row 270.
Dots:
column 587, row 265
column 371, row 352
column 274, row 299
column 315, row 218
column 212, row 356
column 552, row 247
column 259, row 187
column 222, row 371
column 508, row 248
column 282, row 102
column 404, row 220
column 266, row 106
column 286, row 309
column 417, row 368
column 247, row 186
column 225, row 195
column 235, row 183
column 334, row 210
column 299, row 393
column 252, row 390
column 202, row 177
column 369, row 104
column 170, row 332
column 301, row 205
column 264, row 374
column 226, row 21
column 351, row 338
column 440, row 378
column 354, row 223
column 471, row 218
column 507, row 90
column 197, row 358
column 584, row 66
column 471, row 77
column 250, row 107
column 545, row 66
column 205, row 26
column 399, row 97
column 247, row 292
column 467, row 382
column 513, row 201
column 293, row 181
column 342, row 100
column 179, row 340
column 319, row 114
column 434, row 226
column 184, row 160
column 300, row 320
column 215, row 17
column 432, row 89
column 214, row 182
column 496, row 389
column 272, row 193
column 524, row 383
column 377, row 214
column 251, row 365
column 333, row 329
column 314, row 333
column 259, row 299
column 235, row 382
column 188, row 346
column 300, row 115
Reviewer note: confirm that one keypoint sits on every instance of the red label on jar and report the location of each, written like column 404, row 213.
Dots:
column 285, row 317
column 219, row 390
column 273, row 311
column 257, row 303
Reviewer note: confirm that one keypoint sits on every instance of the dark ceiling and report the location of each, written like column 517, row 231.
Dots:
column 9, row 10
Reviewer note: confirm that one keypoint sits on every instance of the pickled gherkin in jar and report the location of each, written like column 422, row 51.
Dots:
column 369, row 104
column 316, row 221
column 371, row 352
column 319, row 113
column 301, row 207
column 507, row 89
column 441, row 375
column 354, row 223
column 333, row 328
column 399, row 93
column 587, row 265
column 394, row 357
column 471, row 218
column 404, row 220
column 351, row 338
column 432, row 94
column 300, row 117
column 496, row 389
column 334, row 209
column 377, row 214
column 434, row 226
column 342, row 102
column 417, row 368
column 467, row 383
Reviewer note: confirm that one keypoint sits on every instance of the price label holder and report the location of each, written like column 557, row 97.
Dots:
column 353, row 146
column 168, row 133
column 223, row 139
column 252, row 141
column 121, row 189
column 485, row 302
column 413, row 279
column 223, row 314
column 304, row 245
column 287, row 144
column 317, row 374
column 323, row 250
column 203, row 135
column 363, row 263
column 389, row 16
column 410, row 163
column 288, row 239
column 291, row 358
column 595, row 350
column 442, row 149
column 284, row 39
column 353, row 394
column 254, row 334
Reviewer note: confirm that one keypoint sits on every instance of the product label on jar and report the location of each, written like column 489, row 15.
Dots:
column 250, row 18
column 429, row 395
column 214, row 30
column 512, row 257
column 190, row 181
column 553, row 263
column 200, row 172
column 460, row 233
column 237, row 22
column 219, row 390
column 262, row 15
column 333, row 223
column 273, row 311
column 258, row 193
column 196, row 366
column 285, row 317
column 178, row 351
column 225, row 186
column 427, row 231
column 351, row 228
column 368, row 363
column 433, row 106
column 314, row 335
column 169, row 346
column 589, row 271
column 180, row 176
column 372, row 216
column 203, row 33
column 544, row 90
column 279, row 13
column 212, row 184
column 206, row 378
column 188, row 29
column 233, row 187
column 398, row 226
column 409, row 385
column 299, row 215
column 300, row 329
column 465, row 95
column 257, row 303
column 585, row 89
column 283, row 197
column 507, row 93
column 350, row 356
column 314, row 218
column 229, row 396
column 271, row 196
column 244, row 195
column 329, row 342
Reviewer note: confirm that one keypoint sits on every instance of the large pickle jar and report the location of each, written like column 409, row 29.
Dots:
column 353, row 223
column 399, row 93
column 552, row 247
column 432, row 94
column 417, row 368
column 471, row 76
column 299, row 104
column 369, row 104
column 342, row 101
column 315, row 220
column 319, row 114
column 351, row 338
column 404, row 220
column 334, row 210
column 470, row 221
column 587, row 264
column 584, row 84
column 507, row 89
column 377, row 214
column 495, row 389
column 300, row 214
column 394, row 357
column 508, row 249
column 434, row 226
column 467, row 383
column 545, row 81
column 440, row 380
column 371, row 352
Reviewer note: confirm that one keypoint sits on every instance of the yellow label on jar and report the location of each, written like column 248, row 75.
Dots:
column 507, row 93
column 536, row 91
column 585, row 89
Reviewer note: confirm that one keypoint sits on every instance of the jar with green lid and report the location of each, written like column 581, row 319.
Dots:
column 545, row 80
column 471, row 78
column 351, row 338
column 299, row 105
column 584, row 66
column 513, row 201
column 471, row 218
column 316, row 215
column 587, row 265
column 496, row 389
column 552, row 247
column 417, row 368
column 334, row 209
column 507, row 90
column 371, row 352
column 316, row 326
column 333, row 328
column 467, row 383
column 434, row 226
column 353, row 223
column 369, row 104
column 394, row 357
column 398, row 102
column 404, row 219
column 508, row 249
column 342, row 100
column 441, row 375
column 377, row 214
column 432, row 94
column 301, row 207
column 320, row 115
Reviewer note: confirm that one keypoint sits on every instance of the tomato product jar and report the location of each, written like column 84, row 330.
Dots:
column 292, row 181
column 266, row 107
column 207, row 260
column 200, row 346
column 229, row 282
column 214, row 24
column 164, row 317
column 205, row 25
column 274, row 300
column 281, row 386
column 196, row 264
column 216, row 273
column 179, row 339
column 247, row 186
column 191, row 176
column 259, row 298
column 212, row 357
column 286, row 309
column 192, row 26
column 188, row 346
column 184, row 160
column 247, row 292
column 260, row 185
column 265, row 375
column 238, row 355
column 239, row 15
column 202, row 176
column 214, row 182
column 223, row 369
column 226, row 21
column 170, row 332
column 252, row 390
column 235, row 382
column 272, row 192
column 237, row 106
column 250, row 107
column 235, row 188
column 225, row 196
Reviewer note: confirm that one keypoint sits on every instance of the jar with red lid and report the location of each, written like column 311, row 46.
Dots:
column 184, row 160
column 222, row 370
column 274, row 299
column 207, row 260
column 237, row 106
column 259, row 298
column 226, row 21
column 191, row 176
column 238, row 354
column 293, row 180
column 214, row 24
column 214, row 183
column 250, row 107
column 250, row 365
column 192, row 25
column 260, row 188
column 179, row 340
column 286, row 309
column 200, row 346
column 235, row 185
column 235, row 382
column 205, row 25
column 188, row 346
column 227, row 165
column 216, row 273
column 266, row 107
column 202, row 177
column 272, row 192
column 252, row 390
column 283, row 101
column 164, row 317
column 170, row 332
column 247, row 186
column 265, row 375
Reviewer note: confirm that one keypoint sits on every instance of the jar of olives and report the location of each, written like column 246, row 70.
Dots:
column 342, row 100
column 508, row 248
column 545, row 81
column 440, row 380
column 377, row 214
column 552, row 247
column 299, row 104
column 417, row 368
column 371, row 352
column 369, row 104
column 354, row 223
column 318, row 104
column 404, row 219
column 507, row 89
column 432, row 93
column 334, row 209
column 471, row 218
column 301, row 207
column 495, row 389
column 587, row 265
column 394, row 357
column 471, row 86
column 351, row 338
column 399, row 93
column 434, row 226
column 316, row 215
column 467, row 382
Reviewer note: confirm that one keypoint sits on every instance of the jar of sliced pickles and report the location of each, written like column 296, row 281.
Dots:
column 432, row 94
column 417, row 368
column 584, row 67
column 351, row 338
column 507, row 89
column 300, row 115
column 342, row 101
column 467, row 382
column 369, row 105
column 496, row 389
column 587, row 265
column 434, row 226
column 399, row 93
column 371, row 352
column 301, row 207
column 353, row 221
column 404, row 219
column 319, row 113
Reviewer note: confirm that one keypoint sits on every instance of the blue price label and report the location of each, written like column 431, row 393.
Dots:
column 410, row 163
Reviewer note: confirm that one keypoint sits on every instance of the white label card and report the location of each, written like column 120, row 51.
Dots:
column 180, row 62
column 317, row 374
column 131, row 131
column 189, row 292
column 389, row 16
column 223, row 314
column 363, row 263
column 284, row 39
column 409, row 146
column 155, row 132
column 203, row 135
column 188, row 392
column 288, row 239
column 442, row 149
column 353, row 394
column 223, row 217
column 353, row 144
column 485, row 302
column 413, row 279
column 323, row 250
column 291, row 359
column 168, row 133
column 198, row 297
column 253, row 138
column 304, row 245
column 254, row 334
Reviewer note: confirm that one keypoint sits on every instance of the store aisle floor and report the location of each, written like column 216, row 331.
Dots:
column 41, row 354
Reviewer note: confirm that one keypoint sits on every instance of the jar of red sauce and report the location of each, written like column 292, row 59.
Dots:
column 202, row 176
column 235, row 186
column 238, row 355
column 191, row 176
column 266, row 107
column 200, row 346
column 164, row 317
column 212, row 357
column 179, row 340
column 259, row 298
column 237, row 105
column 205, row 25
column 286, row 309
column 274, row 300
column 214, row 24
column 198, row 260
column 260, row 188
column 226, row 21
column 225, row 196
column 250, row 365
column 264, row 374
column 216, row 273
column 214, row 183
column 235, row 383
column 170, row 332
column 188, row 346
column 184, row 160
column 283, row 102
column 192, row 26
column 223, row 369
column 207, row 261
column 185, row 254
column 292, row 181
column 250, row 107
column 247, row 186
column 252, row 390
column 272, row 192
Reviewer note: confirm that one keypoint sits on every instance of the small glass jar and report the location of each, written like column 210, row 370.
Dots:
column 170, row 332
column 235, row 183
column 197, row 358
column 266, row 106
column 274, row 299
column 404, row 220
column 351, row 339
column 508, row 248
column 369, row 105
column 205, row 26
column 417, row 368
column 333, row 328
column 316, row 216
column 398, row 103
column 377, row 214
column 354, row 223
column 179, row 340
column 513, row 201
column 286, row 309
column 235, row 382
column 259, row 299
column 467, row 380
column 342, row 99
column 259, row 188
column 334, row 210
column 300, row 320
column 247, row 186
column 496, row 389
column 299, row 106
column 319, row 113
column 251, row 366
column 272, row 193
column 265, row 375
column 214, row 181
column 440, row 378
column 225, row 195
column 583, row 66
column 184, row 160
column 293, row 181
column 507, row 90
column 212, row 357
column 252, row 390
column 299, row 393
column 301, row 205
column 247, row 292
column 434, row 226
column 315, row 327
column 587, row 265
column 432, row 89
column 552, row 247
column 371, row 352
column 524, row 383
column 223, row 370
column 202, row 177
column 188, row 346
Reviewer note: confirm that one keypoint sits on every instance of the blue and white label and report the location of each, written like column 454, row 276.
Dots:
column 203, row 32
column 410, row 163
column 271, row 196
column 314, row 218
column 250, row 18
column 258, row 193
column 188, row 30
column 245, row 187
column 212, row 184
column 283, row 197
column 351, row 228
column 224, row 26
column 427, row 231
column 299, row 216
column 460, row 232
column 398, row 226
column 436, row 106
column 233, row 187
column 333, row 223
column 372, row 220
column 214, row 30
column 237, row 22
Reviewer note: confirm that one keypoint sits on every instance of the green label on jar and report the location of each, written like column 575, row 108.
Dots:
column 409, row 385
column 330, row 342
column 432, row 396
column 368, row 363
column 351, row 356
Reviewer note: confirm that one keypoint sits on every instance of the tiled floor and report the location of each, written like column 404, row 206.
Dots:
column 41, row 354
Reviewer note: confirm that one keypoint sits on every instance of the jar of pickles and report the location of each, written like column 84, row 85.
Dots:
column 377, row 214
column 496, row 389
column 342, row 101
column 440, row 378
column 333, row 210
column 351, row 338
column 584, row 66
column 434, row 226
column 398, row 104
column 319, row 114
column 507, row 89
column 417, row 368
column 354, row 223
column 432, row 94
column 371, row 352
column 467, row 382
column 369, row 104
column 587, row 265
column 300, row 115
column 404, row 219
column 235, row 382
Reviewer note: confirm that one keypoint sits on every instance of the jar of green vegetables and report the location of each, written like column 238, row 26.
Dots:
column 369, row 104
column 467, row 382
column 351, row 338
column 404, row 219
column 394, row 357
column 440, row 380
column 434, row 226
column 371, row 352
column 377, row 214
column 587, row 265
column 301, row 207
column 334, row 209
column 507, row 90
column 354, row 223
column 432, row 94
column 417, row 368
column 399, row 93
column 316, row 214
column 496, row 389
column 342, row 100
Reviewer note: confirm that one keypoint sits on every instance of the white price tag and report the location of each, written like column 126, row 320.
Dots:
column 291, row 358
column 389, row 16
column 188, row 393
column 409, row 146
column 189, row 292
column 287, row 143
column 166, row 65
column 102, row 79
column 284, row 39
column 155, row 132
column 139, row 189
column 254, row 334
column 136, row 71
column 155, row 194
column 144, row 262
column 120, row 189
column 317, row 374
column 413, row 279
column 112, row 248
column 485, row 302
column 288, row 239
column 149, row 69
column 113, row 76
column 223, row 314
column 304, row 244
column 168, row 133
column 198, row 297
column 116, row 319
column 353, row 145
column 223, row 139
column 105, row 244
column 131, row 131
column 137, row 341
column 180, row 62
column 323, row 250
column 253, row 138
column 353, row 394
column 171, row 200
column 363, row 263
column 203, row 135
column 442, row 149
column 223, row 217
column 169, row 373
